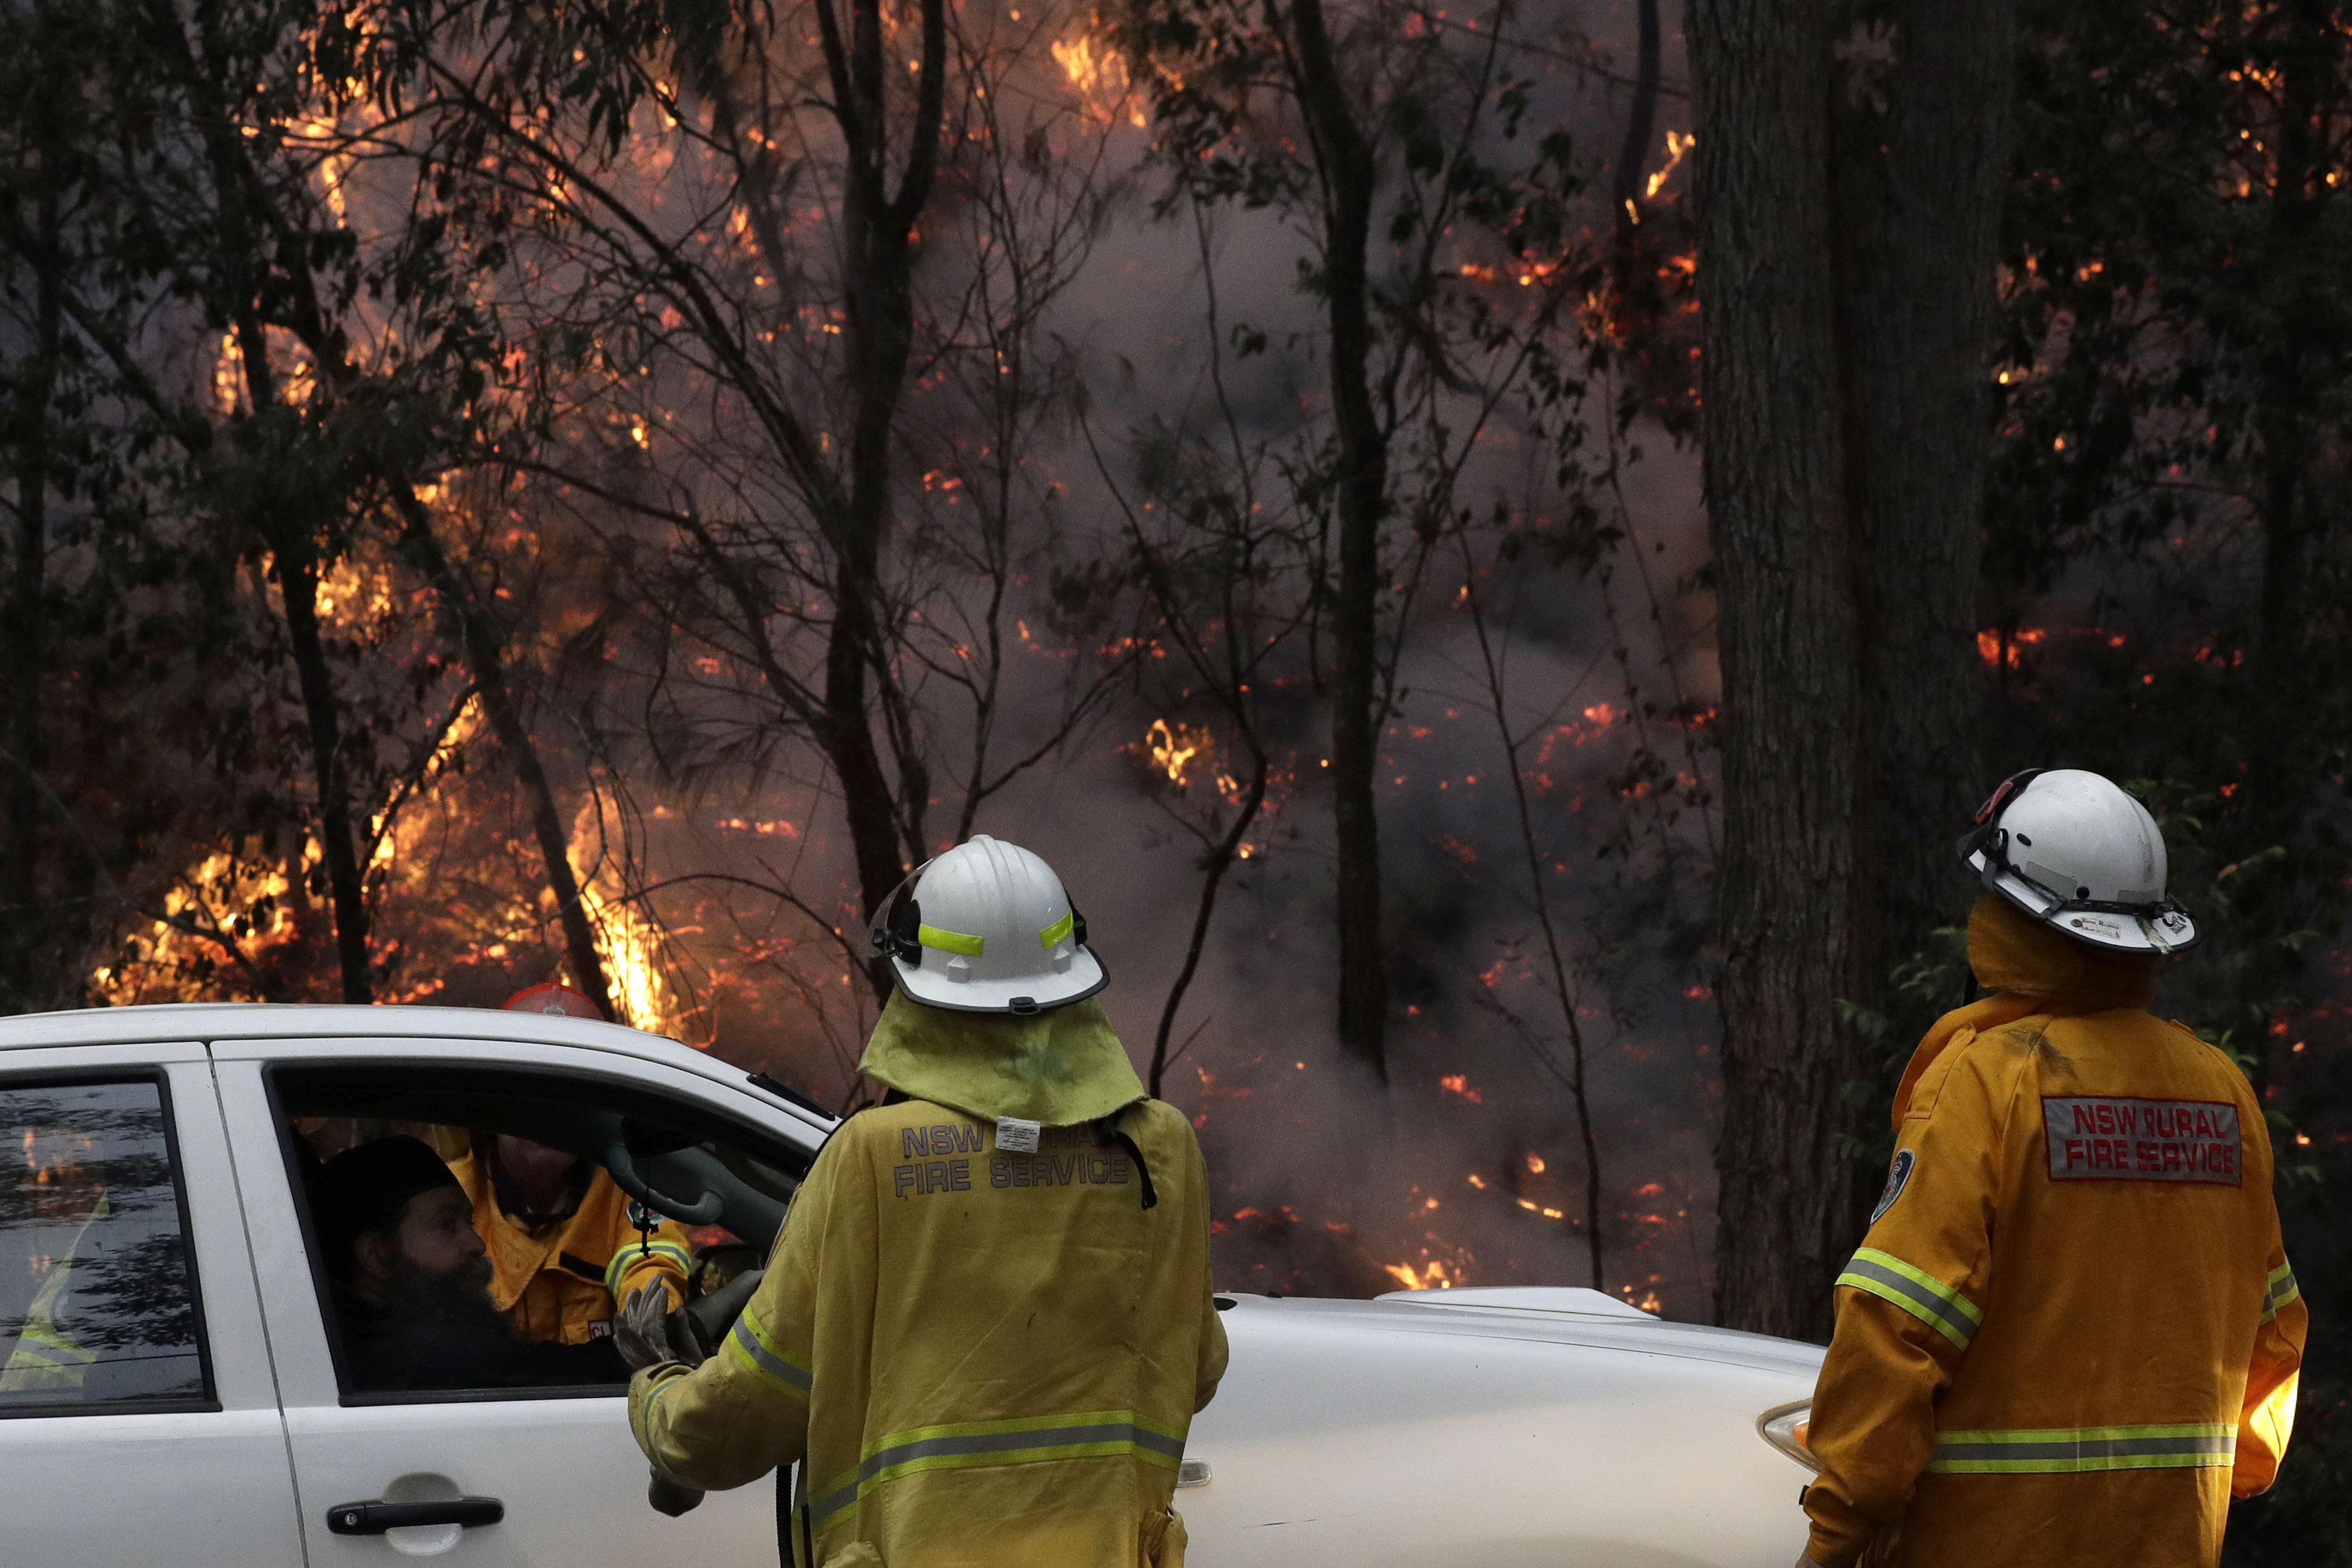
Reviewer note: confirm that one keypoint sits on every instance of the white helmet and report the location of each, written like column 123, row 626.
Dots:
column 2080, row 855
column 987, row 929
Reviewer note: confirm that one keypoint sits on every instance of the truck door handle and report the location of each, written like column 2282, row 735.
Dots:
column 376, row 1516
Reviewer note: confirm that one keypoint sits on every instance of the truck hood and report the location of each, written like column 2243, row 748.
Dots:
column 1572, row 1317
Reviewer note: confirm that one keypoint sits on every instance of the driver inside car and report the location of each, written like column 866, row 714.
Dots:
column 412, row 1282
column 566, row 1247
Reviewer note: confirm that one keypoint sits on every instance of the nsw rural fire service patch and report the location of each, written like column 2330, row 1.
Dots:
column 1897, row 1175
column 2121, row 1138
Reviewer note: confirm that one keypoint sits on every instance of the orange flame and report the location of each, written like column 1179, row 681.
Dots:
column 1435, row 1276
column 1677, row 144
column 1173, row 748
column 1099, row 73
column 1988, row 644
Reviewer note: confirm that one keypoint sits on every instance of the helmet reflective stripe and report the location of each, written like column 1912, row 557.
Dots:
column 2077, row 853
column 987, row 927
column 950, row 941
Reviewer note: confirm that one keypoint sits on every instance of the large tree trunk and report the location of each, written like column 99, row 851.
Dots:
column 1346, row 159
column 295, row 566
column 878, row 267
column 23, row 983
column 1847, row 251
column 1919, row 178
column 1775, row 472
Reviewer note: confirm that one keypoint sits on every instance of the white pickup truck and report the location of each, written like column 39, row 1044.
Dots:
column 198, row 1416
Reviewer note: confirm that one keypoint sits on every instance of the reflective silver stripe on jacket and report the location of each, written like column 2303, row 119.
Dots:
column 1922, row 1295
column 745, row 1340
column 2058, row 1450
column 946, row 1449
column 2278, row 1289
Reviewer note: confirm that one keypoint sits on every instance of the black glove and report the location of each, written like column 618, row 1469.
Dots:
column 670, row 1499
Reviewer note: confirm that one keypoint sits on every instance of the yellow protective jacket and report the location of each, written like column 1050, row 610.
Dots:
column 985, row 1357
column 561, row 1285
column 2071, row 1333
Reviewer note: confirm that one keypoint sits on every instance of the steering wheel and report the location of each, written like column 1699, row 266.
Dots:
column 704, row 1210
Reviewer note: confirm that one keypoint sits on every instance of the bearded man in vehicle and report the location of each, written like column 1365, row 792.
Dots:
column 987, row 1323
column 413, row 1282
column 2071, row 1334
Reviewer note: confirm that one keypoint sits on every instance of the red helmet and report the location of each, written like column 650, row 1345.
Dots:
column 561, row 1000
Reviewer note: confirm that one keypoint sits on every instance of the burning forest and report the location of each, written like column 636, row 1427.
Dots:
column 623, row 526
column 514, row 491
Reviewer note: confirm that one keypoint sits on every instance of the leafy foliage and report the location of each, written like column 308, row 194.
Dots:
column 2171, row 479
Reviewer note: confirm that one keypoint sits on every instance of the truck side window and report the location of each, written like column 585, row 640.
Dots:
column 476, row 1230
column 98, row 1303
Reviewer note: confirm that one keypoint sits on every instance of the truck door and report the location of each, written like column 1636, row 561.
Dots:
column 492, row 1475
column 138, row 1423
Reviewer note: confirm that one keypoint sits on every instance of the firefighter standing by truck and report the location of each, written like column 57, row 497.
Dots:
column 2072, row 1333
column 987, row 1324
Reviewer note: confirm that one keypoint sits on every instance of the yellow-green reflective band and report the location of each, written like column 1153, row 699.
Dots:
column 1922, row 1295
column 49, row 1367
column 754, row 1348
column 52, row 1348
column 1096, row 1434
column 949, row 941
column 2278, row 1289
column 631, row 1253
column 2063, row 1450
column 1059, row 929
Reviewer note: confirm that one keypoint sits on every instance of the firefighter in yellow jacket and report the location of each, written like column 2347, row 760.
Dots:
column 2071, row 1334
column 987, row 1324
column 566, row 1245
